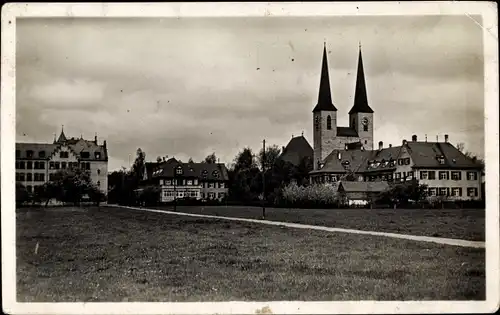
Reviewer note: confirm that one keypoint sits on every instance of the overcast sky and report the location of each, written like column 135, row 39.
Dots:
column 191, row 86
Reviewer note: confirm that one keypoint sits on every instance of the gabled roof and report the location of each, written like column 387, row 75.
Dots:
column 360, row 97
column 204, row 171
column 62, row 136
column 346, row 132
column 297, row 149
column 363, row 186
column 325, row 94
column 423, row 155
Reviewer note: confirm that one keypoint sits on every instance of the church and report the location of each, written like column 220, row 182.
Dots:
column 342, row 153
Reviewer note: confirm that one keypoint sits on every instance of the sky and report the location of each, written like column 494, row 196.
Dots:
column 187, row 87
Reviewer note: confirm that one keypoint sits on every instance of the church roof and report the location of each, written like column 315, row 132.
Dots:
column 360, row 97
column 297, row 149
column 346, row 132
column 325, row 95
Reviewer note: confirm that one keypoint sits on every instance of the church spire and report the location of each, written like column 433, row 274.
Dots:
column 62, row 137
column 360, row 98
column 325, row 96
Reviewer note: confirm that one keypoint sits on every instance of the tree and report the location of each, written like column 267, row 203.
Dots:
column 22, row 195
column 158, row 159
column 139, row 165
column 272, row 154
column 190, row 160
column 211, row 159
column 470, row 155
column 403, row 193
column 245, row 160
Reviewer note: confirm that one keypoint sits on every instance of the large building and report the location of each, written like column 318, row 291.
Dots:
column 36, row 163
column 347, row 153
column 178, row 180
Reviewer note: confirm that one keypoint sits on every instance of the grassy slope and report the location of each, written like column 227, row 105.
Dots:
column 120, row 255
column 451, row 223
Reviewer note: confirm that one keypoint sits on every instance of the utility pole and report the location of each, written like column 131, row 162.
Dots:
column 264, row 179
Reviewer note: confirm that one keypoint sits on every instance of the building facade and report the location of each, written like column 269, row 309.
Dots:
column 177, row 180
column 446, row 171
column 36, row 163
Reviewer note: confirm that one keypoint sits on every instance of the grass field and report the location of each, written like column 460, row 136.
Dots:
column 112, row 254
column 467, row 224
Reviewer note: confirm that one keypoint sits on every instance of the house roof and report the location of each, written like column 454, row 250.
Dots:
column 346, row 132
column 360, row 97
column 206, row 171
column 325, row 95
column 297, row 149
column 363, row 186
column 423, row 155
column 76, row 145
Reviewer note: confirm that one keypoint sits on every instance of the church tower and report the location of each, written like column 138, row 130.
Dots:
column 324, row 117
column 361, row 115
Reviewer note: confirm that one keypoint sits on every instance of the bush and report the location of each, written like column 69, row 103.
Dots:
column 312, row 196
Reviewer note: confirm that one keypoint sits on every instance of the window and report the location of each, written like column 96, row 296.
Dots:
column 432, row 174
column 195, row 182
column 443, row 191
column 400, row 162
column 63, row 165
column 29, row 177
column 87, row 166
column 221, row 185
column 456, row 175
column 193, row 193
column 21, row 165
column 29, row 188
column 221, row 195
column 85, row 155
column 210, row 185
column 456, row 191
column 443, row 175
column 98, row 183
column 41, row 165
column 98, row 172
column 204, row 173
column 471, row 175
column 389, row 177
column 51, row 177
column 168, row 182
column 423, row 174
column 21, row 177
column 407, row 161
column 29, row 154
column 203, row 195
column 178, row 170
column 365, row 127
column 471, row 192
column 410, row 175
column 432, row 191
column 189, row 182
column 334, row 178
column 316, row 123
column 215, row 174
column 29, row 165
column 398, row 175
column 440, row 159
column 18, row 154
column 57, row 165
column 36, row 177
column 42, row 177
column 329, row 122
column 211, row 195
column 97, row 155
column 41, row 154
column 63, row 154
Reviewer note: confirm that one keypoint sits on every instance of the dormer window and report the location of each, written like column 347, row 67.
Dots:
column 85, row 155
column 29, row 154
column 178, row 170
column 97, row 155
column 440, row 159
column 41, row 154
column 215, row 174
column 204, row 173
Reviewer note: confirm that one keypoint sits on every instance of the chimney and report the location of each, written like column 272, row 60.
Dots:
column 283, row 150
column 104, row 144
column 446, row 138
column 163, row 159
column 404, row 141
column 437, row 138
column 425, row 137
column 390, row 145
column 380, row 145
column 414, row 138
column 95, row 138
